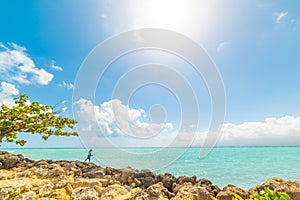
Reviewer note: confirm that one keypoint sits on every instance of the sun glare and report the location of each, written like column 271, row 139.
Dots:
column 183, row 16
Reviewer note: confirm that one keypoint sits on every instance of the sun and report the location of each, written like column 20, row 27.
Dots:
column 184, row 16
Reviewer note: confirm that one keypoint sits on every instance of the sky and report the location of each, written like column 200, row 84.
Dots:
column 254, row 46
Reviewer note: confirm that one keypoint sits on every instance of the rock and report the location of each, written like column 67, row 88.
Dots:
column 45, row 189
column 69, row 189
column 113, row 192
column 136, row 183
column 79, row 164
column 55, row 171
column 34, row 171
column 75, row 172
column 135, row 178
column 147, row 181
column 5, row 193
column 159, row 178
column 84, row 193
column 86, row 182
column 22, row 178
column 111, row 171
column 184, row 179
column 61, row 183
column 95, row 173
column 60, row 194
column 292, row 188
column 42, row 163
column 26, row 196
column 98, row 189
column 204, row 181
column 228, row 192
column 72, row 169
column 18, row 188
column 212, row 189
column 126, row 175
column 157, row 191
column 168, row 180
column 134, row 193
column 145, row 173
column 196, row 192
column 46, row 198
column 9, row 161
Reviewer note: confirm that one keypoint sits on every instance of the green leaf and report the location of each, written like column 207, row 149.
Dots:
column 32, row 118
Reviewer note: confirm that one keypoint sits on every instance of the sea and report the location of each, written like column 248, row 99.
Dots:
column 244, row 167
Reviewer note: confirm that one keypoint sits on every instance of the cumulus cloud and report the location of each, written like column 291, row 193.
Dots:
column 17, row 66
column 280, row 16
column 271, row 132
column 69, row 86
column 127, row 127
column 7, row 92
column 113, row 118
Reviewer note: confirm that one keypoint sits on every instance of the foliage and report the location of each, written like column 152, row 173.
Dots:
column 267, row 194
column 25, row 117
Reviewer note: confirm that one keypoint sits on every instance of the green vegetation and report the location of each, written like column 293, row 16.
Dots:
column 267, row 194
column 25, row 117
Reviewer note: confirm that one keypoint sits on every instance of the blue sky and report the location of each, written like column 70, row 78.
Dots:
column 255, row 46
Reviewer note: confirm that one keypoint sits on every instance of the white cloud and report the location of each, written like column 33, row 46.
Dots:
column 98, row 121
column 64, row 107
column 18, row 47
column 17, row 66
column 55, row 67
column 116, row 119
column 69, row 86
column 7, row 93
column 222, row 46
column 271, row 132
column 280, row 16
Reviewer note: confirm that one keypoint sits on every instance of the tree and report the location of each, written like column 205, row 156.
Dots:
column 25, row 117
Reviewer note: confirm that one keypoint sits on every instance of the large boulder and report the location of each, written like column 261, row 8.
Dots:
column 186, row 179
column 9, row 161
column 188, row 190
column 156, row 191
column 292, row 188
column 229, row 191
column 168, row 180
column 212, row 189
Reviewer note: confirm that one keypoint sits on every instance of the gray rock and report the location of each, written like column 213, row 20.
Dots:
column 84, row 193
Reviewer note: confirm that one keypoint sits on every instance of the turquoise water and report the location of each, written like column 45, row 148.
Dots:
column 242, row 166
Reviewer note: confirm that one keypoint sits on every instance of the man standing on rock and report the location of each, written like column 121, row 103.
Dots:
column 89, row 155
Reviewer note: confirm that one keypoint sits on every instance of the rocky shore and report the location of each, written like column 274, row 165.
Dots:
column 22, row 178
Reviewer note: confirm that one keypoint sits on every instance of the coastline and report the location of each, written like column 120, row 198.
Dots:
column 244, row 167
column 22, row 178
